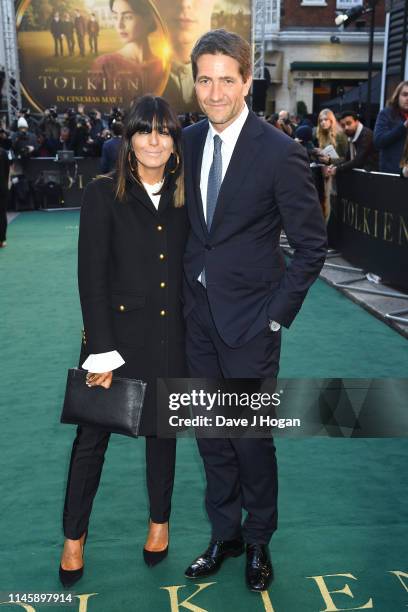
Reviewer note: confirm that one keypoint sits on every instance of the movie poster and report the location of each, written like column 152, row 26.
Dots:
column 105, row 53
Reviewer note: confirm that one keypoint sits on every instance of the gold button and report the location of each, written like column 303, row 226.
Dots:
column 159, row 228
column 162, row 285
column 162, row 313
column 161, row 256
column 121, row 307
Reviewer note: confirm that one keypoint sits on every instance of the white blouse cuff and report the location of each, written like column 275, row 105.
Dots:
column 103, row 362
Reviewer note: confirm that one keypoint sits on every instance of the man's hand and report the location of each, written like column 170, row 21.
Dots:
column 406, row 123
column 104, row 380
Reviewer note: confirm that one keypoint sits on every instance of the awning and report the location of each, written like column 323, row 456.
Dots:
column 334, row 66
column 358, row 94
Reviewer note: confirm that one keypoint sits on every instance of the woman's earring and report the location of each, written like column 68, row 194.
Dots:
column 177, row 164
column 133, row 170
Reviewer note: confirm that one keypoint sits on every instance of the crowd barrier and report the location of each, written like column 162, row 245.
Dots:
column 368, row 223
column 56, row 183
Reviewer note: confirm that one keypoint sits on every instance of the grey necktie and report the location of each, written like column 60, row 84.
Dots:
column 214, row 180
column 213, row 188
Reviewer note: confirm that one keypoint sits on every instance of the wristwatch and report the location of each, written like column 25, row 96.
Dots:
column 274, row 326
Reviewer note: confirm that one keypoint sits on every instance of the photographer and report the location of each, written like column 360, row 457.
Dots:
column 49, row 125
column 284, row 123
column 82, row 144
column 24, row 142
column 97, row 124
column 115, row 115
column 32, row 123
column 110, row 148
column 70, row 119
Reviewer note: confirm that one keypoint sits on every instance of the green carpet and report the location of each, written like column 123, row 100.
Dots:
column 342, row 503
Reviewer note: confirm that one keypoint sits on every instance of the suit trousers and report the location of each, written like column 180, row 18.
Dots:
column 241, row 472
column 87, row 458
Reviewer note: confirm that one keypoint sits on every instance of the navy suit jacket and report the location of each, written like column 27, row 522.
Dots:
column 268, row 186
column 110, row 150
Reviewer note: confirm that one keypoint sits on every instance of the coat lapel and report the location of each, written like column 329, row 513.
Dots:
column 197, row 158
column 140, row 194
column 243, row 158
column 166, row 198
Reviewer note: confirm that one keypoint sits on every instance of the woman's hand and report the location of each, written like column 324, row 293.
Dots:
column 104, row 380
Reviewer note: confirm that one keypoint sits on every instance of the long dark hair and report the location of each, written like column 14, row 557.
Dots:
column 393, row 101
column 145, row 114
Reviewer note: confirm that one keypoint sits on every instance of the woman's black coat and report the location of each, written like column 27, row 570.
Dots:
column 130, row 273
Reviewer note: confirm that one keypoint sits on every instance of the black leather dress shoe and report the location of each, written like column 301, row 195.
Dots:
column 259, row 572
column 210, row 561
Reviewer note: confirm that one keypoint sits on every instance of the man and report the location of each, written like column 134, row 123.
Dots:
column 49, row 124
column 186, row 20
column 57, row 32
column 245, row 181
column 110, row 148
column 4, row 193
column 23, row 141
column 285, row 123
column 361, row 152
column 80, row 28
column 68, row 31
column 93, row 33
column 391, row 130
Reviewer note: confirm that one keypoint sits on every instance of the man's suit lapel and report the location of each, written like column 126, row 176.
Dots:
column 242, row 159
column 197, row 158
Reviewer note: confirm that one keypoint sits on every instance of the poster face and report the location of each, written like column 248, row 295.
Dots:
column 105, row 53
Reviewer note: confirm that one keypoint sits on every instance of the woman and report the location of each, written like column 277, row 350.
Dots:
column 131, row 241
column 391, row 129
column 329, row 134
column 133, row 69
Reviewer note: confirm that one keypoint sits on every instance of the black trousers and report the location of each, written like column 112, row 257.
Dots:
column 4, row 196
column 87, row 458
column 241, row 472
column 93, row 43
column 58, row 46
column 81, row 44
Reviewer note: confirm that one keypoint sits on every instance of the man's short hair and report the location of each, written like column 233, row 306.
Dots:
column 117, row 128
column 225, row 43
column 349, row 113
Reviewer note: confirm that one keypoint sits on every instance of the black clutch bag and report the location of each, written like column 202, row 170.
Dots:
column 117, row 409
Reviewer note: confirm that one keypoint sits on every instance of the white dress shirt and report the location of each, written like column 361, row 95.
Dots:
column 99, row 363
column 229, row 138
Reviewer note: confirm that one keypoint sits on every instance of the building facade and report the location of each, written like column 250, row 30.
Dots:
column 309, row 58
